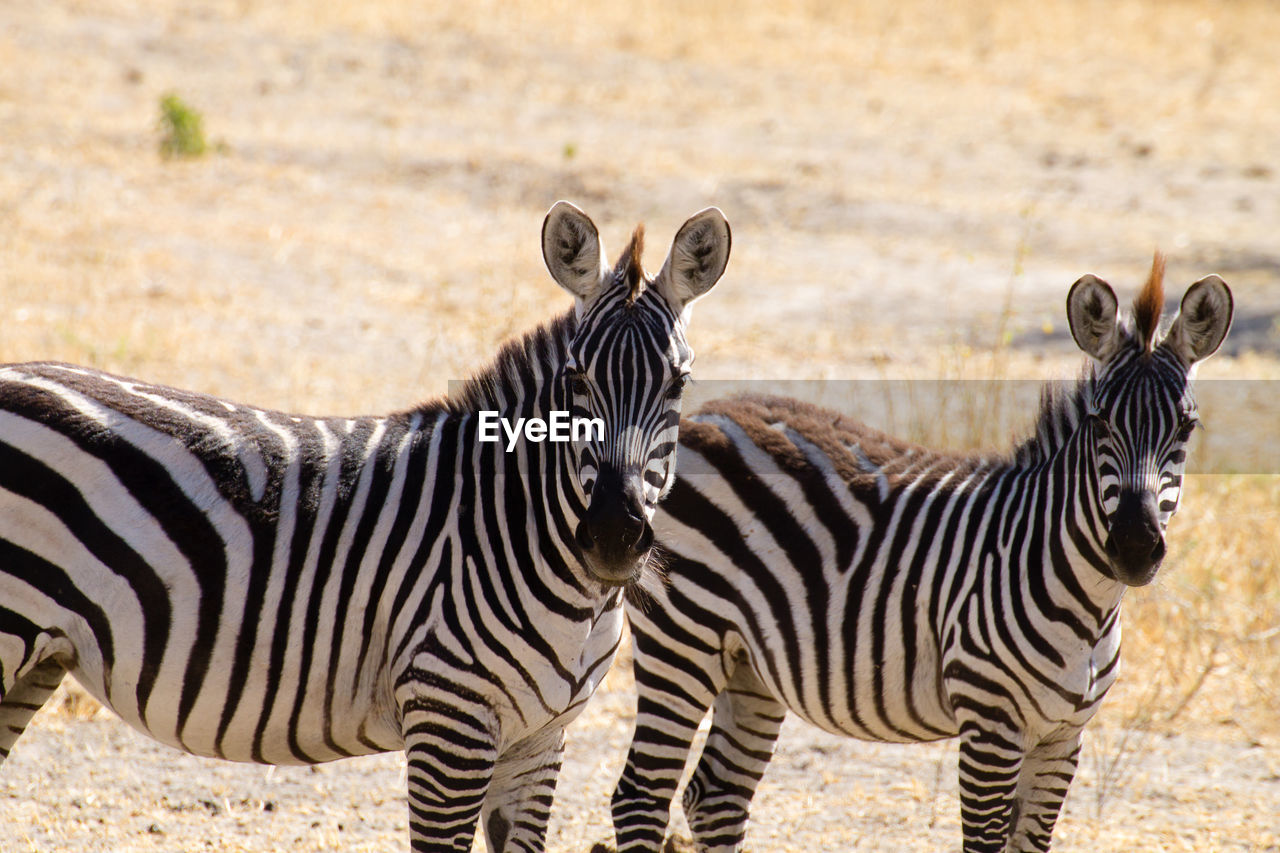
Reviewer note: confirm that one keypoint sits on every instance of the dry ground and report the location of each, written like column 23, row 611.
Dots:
column 912, row 186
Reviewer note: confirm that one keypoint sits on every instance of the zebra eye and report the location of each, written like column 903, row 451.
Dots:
column 1186, row 426
column 1099, row 423
column 677, row 386
column 577, row 382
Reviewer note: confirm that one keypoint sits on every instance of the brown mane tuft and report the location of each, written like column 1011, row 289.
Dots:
column 632, row 270
column 1150, row 303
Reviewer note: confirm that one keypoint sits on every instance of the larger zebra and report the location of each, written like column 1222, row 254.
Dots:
column 254, row 586
column 893, row 593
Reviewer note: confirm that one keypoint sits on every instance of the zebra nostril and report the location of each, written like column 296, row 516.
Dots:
column 645, row 542
column 631, row 528
column 583, row 536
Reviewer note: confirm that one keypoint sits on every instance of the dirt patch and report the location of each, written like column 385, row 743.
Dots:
column 95, row 785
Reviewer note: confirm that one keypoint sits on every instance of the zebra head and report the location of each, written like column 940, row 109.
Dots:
column 627, row 365
column 1142, row 412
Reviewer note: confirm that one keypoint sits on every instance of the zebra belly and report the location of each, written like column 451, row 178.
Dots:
column 856, row 674
column 840, row 688
column 852, row 702
column 296, row 728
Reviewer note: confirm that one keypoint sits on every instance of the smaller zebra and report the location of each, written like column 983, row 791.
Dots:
column 894, row 593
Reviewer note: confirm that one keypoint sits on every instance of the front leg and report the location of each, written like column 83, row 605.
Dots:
column 990, row 764
column 1047, row 772
column 452, row 754
column 518, row 806
column 744, row 729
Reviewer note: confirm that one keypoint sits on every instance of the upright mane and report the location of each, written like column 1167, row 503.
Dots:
column 537, row 353
column 1062, row 406
column 519, row 365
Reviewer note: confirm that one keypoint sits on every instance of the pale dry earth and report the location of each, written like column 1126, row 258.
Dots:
column 96, row 785
column 912, row 186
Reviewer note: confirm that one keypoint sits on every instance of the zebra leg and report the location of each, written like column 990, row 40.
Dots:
column 518, row 806
column 744, row 729
column 20, row 703
column 451, row 762
column 641, row 803
column 675, row 687
column 1047, row 772
column 990, row 765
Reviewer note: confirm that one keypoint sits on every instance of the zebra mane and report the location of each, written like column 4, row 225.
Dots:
column 523, row 363
column 1062, row 406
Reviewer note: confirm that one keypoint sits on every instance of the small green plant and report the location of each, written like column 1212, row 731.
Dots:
column 181, row 129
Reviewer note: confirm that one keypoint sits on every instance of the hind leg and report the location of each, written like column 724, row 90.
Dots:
column 32, row 665
column 27, row 695
column 744, row 729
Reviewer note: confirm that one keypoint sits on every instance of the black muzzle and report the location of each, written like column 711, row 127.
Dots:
column 1135, row 542
column 615, row 536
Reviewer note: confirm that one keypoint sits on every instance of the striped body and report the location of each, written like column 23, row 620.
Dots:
column 252, row 537
column 892, row 593
column 255, row 586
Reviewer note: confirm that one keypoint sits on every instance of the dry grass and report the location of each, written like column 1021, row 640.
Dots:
column 1203, row 645
column 912, row 187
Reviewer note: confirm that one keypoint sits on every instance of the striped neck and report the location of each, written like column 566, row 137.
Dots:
column 1060, row 486
column 538, row 478
column 524, row 381
column 537, row 485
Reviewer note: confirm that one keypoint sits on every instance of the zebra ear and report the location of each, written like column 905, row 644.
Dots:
column 698, row 257
column 573, row 251
column 1203, row 320
column 1094, row 316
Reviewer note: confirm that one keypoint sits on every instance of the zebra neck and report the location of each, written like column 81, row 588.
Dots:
column 537, row 504
column 537, row 496
column 1053, row 517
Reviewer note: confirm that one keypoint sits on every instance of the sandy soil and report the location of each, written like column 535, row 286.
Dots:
column 912, row 186
column 94, row 784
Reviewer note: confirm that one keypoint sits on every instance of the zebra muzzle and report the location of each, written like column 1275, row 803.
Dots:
column 1135, row 543
column 616, row 527
column 615, row 537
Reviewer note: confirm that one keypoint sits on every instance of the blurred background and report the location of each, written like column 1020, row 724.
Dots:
column 335, row 208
